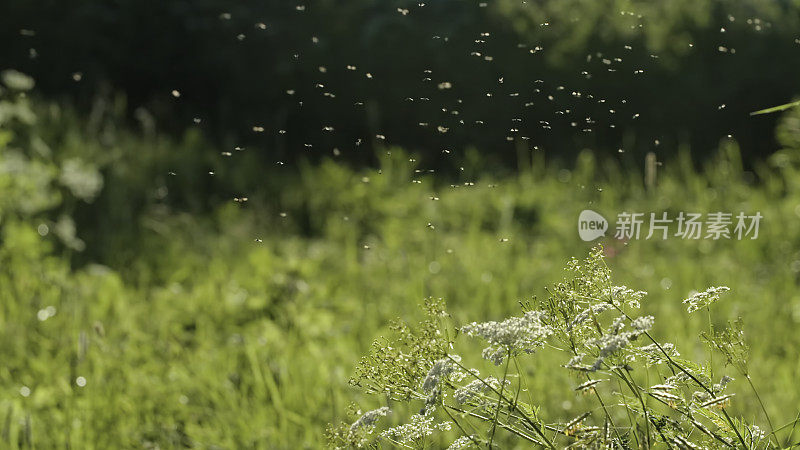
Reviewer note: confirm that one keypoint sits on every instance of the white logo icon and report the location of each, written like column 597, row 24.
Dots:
column 591, row 225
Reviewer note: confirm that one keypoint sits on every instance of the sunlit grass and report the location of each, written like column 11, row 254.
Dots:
column 216, row 339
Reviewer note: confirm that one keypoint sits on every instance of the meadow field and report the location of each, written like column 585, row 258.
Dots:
column 381, row 224
column 242, row 328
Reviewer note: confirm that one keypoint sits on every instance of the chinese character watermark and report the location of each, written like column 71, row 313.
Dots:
column 687, row 225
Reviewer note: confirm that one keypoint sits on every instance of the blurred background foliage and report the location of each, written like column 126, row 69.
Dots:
column 705, row 63
column 239, row 327
column 221, row 301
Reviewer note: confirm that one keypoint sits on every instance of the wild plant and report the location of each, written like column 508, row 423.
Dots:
column 637, row 392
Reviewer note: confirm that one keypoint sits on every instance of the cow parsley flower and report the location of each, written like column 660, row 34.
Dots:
column 757, row 433
column 719, row 387
column 644, row 323
column 680, row 378
column 654, row 355
column 582, row 316
column 369, row 418
column 699, row 300
column 442, row 368
column 462, row 442
column 616, row 325
column 612, row 343
column 473, row 389
column 515, row 334
column 623, row 294
column 576, row 363
column 615, row 339
column 609, row 344
column 421, row 425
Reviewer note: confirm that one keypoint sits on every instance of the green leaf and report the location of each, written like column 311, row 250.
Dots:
column 776, row 108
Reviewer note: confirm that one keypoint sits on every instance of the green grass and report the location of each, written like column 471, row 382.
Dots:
column 241, row 329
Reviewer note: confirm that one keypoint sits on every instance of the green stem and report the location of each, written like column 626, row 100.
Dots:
column 398, row 443
column 499, row 398
column 692, row 377
column 694, row 422
column 710, row 350
column 728, row 419
column 791, row 433
column 763, row 408
column 661, row 433
column 500, row 424
column 533, row 424
column 463, row 431
column 630, row 418
column 605, row 410
column 571, row 344
column 633, row 387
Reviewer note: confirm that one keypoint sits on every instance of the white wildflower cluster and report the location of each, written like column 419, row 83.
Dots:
column 616, row 339
column 757, row 433
column 463, row 442
column 624, row 294
column 678, row 378
column 473, row 389
column 576, row 363
column 359, row 431
column 644, row 323
column 700, row 300
column 526, row 333
column 369, row 418
column 421, row 425
column 582, row 316
column 654, row 355
column 441, row 369
column 608, row 344
column 719, row 387
column 617, row 325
